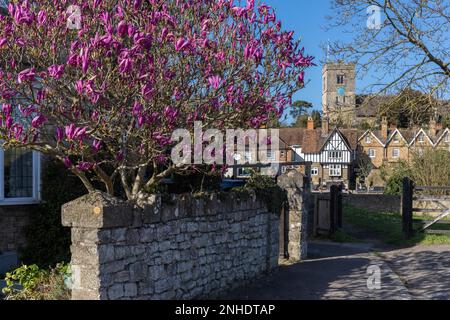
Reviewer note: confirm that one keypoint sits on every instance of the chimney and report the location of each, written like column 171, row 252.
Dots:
column 433, row 128
column 384, row 128
column 310, row 125
column 325, row 125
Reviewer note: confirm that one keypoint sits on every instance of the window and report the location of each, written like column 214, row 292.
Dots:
column 396, row 138
column 395, row 153
column 421, row 138
column 343, row 98
column 446, row 138
column 336, row 155
column 340, row 79
column 368, row 139
column 19, row 176
column 314, row 171
column 372, row 153
column 335, row 170
column 337, row 99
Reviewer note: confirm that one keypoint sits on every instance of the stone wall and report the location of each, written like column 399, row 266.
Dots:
column 184, row 248
column 13, row 220
column 373, row 202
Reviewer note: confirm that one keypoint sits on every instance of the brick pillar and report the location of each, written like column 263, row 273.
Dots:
column 89, row 217
column 298, row 197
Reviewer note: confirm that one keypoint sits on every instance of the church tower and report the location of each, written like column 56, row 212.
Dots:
column 338, row 93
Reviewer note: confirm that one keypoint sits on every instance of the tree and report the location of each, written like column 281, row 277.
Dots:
column 105, row 98
column 364, row 168
column 299, row 107
column 407, row 47
column 430, row 168
column 302, row 120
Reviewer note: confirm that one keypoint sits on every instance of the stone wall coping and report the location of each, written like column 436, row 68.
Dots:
column 102, row 211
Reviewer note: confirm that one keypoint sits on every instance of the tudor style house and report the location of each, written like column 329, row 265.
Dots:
column 331, row 153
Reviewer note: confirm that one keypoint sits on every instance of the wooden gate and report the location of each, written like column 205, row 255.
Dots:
column 412, row 195
column 328, row 212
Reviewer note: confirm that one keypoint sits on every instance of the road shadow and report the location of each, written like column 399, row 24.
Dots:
column 333, row 272
column 424, row 271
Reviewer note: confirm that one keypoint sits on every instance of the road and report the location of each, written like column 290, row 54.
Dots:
column 339, row 272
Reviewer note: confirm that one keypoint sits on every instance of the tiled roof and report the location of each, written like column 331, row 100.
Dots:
column 312, row 141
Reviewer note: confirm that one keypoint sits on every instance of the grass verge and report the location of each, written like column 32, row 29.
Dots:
column 387, row 227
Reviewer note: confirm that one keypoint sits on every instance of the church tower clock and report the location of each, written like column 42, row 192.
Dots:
column 338, row 93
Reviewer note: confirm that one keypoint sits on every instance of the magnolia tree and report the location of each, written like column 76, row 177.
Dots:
column 104, row 92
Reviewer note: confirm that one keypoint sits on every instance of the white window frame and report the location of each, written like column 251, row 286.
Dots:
column 372, row 153
column 368, row 139
column 314, row 171
column 395, row 153
column 396, row 138
column 36, row 198
column 421, row 138
column 335, row 170
column 335, row 155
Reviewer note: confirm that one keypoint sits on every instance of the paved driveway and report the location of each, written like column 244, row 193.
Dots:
column 339, row 271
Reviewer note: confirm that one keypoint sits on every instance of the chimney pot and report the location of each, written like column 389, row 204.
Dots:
column 310, row 125
column 384, row 127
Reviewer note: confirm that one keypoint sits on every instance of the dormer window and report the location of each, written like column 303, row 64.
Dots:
column 396, row 139
column 421, row 138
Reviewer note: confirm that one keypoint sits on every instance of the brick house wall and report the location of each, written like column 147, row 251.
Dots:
column 13, row 220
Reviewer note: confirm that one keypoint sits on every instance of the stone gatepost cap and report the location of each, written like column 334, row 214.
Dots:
column 97, row 210
column 291, row 180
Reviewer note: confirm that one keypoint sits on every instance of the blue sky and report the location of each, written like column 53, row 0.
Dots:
column 308, row 18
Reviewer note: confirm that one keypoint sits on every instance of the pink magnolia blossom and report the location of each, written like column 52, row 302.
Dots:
column 181, row 44
column 215, row 81
column 38, row 121
column 27, row 75
column 136, row 71
column 56, row 71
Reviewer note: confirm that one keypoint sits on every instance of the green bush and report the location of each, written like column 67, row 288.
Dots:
column 431, row 168
column 48, row 241
column 38, row 284
column 267, row 189
column 394, row 178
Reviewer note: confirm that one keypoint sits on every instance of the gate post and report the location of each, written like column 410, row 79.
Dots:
column 335, row 209
column 407, row 208
column 298, row 205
